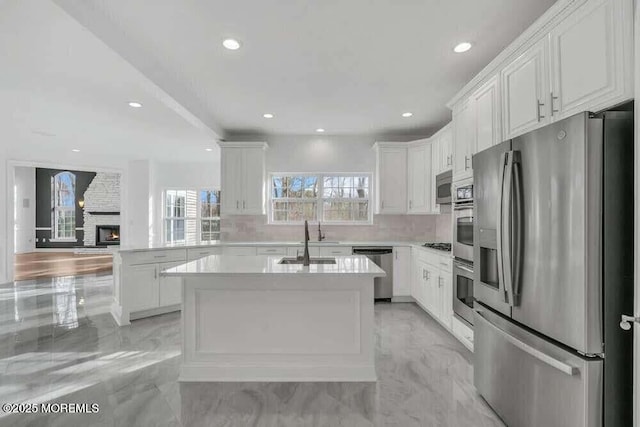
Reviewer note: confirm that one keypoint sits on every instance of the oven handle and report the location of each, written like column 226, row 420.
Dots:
column 463, row 268
column 461, row 207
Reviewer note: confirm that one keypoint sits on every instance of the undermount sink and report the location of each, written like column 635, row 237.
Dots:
column 311, row 261
column 324, row 242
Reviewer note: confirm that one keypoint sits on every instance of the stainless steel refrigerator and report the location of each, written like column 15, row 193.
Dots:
column 553, row 256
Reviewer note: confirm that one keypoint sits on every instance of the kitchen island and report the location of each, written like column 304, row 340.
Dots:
column 253, row 318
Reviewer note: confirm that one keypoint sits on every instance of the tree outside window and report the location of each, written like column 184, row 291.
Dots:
column 63, row 206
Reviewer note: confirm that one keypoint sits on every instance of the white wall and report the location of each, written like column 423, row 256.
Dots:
column 138, row 202
column 6, row 239
column 24, row 209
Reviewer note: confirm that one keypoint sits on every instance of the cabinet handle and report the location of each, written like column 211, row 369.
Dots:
column 396, row 251
column 410, row 204
column 466, row 160
column 428, row 275
column 424, row 276
column 553, row 110
column 159, row 256
column 382, row 204
column 237, row 204
column 244, row 204
column 449, row 161
column 155, row 273
column 204, row 253
column 538, row 105
column 439, row 281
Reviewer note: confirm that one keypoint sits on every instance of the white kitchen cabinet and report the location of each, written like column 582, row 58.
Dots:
column 271, row 250
column 445, row 149
column 463, row 139
column 391, row 178
column 419, row 177
column 445, row 283
column 588, row 63
column 488, row 129
column 142, row 290
column 525, row 89
column 197, row 253
column 331, row 251
column 239, row 250
column 401, row 272
column 243, row 178
column 169, row 288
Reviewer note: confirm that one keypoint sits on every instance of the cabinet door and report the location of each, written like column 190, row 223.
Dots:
column 525, row 91
column 436, row 167
column 587, row 60
column 170, row 288
column 253, row 181
column 487, row 118
column 432, row 300
column 231, row 191
column 446, row 149
column 463, row 123
column 420, row 179
column 141, row 286
column 446, row 295
column 392, row 179
column 331, row 251
column 401, row 271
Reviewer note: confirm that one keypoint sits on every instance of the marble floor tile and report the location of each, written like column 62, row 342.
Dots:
column 58, row 343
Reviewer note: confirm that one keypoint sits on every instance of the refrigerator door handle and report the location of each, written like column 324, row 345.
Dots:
column 541, row 356
column 506, row 232
column 503, row 161
column 516, row 225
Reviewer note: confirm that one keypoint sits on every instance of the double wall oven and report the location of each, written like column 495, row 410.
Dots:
column 463, row 250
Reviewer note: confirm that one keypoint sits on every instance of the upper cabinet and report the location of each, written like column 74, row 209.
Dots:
column 525, row 89
column 577, row 57
column 391, row 178
column 588, row 51
column 442, row 150
column 486, row 100
column 419, row 177
column 243, row 178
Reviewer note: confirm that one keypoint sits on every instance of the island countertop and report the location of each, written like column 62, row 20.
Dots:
column 268, row 264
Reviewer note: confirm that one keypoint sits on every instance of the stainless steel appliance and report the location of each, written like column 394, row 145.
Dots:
column 554, row 272
column 383, row 258
column 463, row 291
column 443, row 187
column 445, row 247
column 463, row 221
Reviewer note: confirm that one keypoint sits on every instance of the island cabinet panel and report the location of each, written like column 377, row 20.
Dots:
column 170, row 288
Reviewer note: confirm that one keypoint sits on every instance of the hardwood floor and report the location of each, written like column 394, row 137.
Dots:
column 37, row 265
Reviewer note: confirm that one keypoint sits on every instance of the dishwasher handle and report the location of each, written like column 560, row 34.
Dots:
column 372, row 251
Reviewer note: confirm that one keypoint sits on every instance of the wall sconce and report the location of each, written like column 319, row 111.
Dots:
column 81, row 203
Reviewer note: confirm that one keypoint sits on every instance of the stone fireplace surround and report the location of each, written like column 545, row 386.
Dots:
column 101, row 205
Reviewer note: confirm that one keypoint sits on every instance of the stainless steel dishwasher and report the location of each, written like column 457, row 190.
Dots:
column 382, row 256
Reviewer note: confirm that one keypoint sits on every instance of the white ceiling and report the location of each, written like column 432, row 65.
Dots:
column 351, row 67
column 63, row 88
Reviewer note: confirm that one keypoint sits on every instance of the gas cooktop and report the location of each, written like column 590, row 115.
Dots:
column 439, row 246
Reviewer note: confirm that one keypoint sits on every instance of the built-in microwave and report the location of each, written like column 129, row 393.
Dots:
column 443, row 188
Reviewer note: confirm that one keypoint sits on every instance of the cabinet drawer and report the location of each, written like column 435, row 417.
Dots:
column 299, row 250
column 240, row 250
column 335, row 250
column 154, row 256
column 271, row 250
column 197, row 253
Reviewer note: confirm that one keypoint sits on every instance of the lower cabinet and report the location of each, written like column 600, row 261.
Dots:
column 170, row 288
column 329, row 251
column 431, row 285
column 141, row 286
column 401, row 271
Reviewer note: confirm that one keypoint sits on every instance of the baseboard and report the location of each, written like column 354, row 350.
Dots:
column 202, row 373
column 154, row 312
column 117, row 314
column 402, row 298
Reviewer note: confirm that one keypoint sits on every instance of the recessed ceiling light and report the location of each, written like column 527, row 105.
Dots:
column 407, row 114
column 135, row 104
column 231, row 44
column 75, row 150
column 319, row 130
column 208, row 149
column 462, row 47
column 267, row 116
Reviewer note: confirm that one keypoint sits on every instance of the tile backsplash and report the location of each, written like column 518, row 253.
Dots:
column 427, row 228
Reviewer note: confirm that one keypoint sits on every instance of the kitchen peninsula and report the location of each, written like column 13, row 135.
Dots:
column 254, row 318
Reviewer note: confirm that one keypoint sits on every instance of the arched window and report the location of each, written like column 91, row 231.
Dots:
column 63, row 206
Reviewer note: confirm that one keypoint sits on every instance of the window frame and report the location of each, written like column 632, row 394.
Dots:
column 198, row 218
column 56, row 209
column 320, row 199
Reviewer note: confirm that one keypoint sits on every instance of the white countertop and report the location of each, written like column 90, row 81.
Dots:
column 285, row 243
column 229, row 264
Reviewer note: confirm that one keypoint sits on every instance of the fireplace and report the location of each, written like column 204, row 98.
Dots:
column 107, row 235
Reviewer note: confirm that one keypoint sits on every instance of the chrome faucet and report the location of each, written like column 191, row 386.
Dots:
column 305, row 258
column 320, row 235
